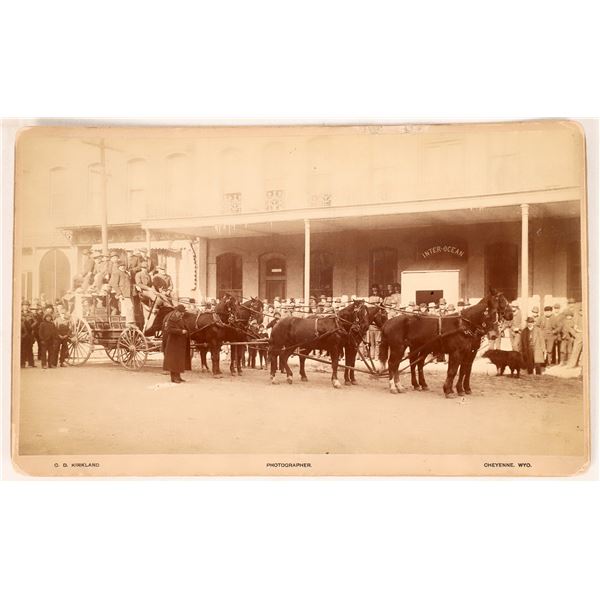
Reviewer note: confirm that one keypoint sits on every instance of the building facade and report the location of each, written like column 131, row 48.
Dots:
column 299, row 211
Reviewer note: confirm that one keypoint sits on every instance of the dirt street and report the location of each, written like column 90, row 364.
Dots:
column 100, row 408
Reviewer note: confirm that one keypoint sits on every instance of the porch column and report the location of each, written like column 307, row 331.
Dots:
column 525, row 259
column 306, row 260
column 202, row 268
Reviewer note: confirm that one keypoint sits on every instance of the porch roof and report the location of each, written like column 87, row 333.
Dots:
column 555, row 203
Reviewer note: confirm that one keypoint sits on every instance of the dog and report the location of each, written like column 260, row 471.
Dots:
column 504, row 358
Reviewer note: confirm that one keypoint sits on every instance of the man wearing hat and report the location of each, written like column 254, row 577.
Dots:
column 534, row 312
column 533, row 348
column 142, row 281
column 176, row 344
column 578, row 341
column 567, row 337
column 423, row 308
column 162, row 282
column 87, row 270
column 515, row 325
column 547, row 325
column 100, row 270
column 123, row 293
column 431, row 307
column 460, row 306
column 451, row 310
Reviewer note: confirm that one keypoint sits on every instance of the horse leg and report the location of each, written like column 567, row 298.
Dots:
column 283, row 363
column 215, row 359
column 303, row 376
column 469, row 366
column 453, row 364
column 335, row 358
column 274, row 358
column 240, row 359
column 392, row 366
column 420, row 367
column 232, row 358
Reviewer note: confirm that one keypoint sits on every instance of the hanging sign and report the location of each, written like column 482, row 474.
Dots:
column 455, row 250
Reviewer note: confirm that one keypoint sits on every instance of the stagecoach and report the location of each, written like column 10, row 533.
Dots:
column 95, row 328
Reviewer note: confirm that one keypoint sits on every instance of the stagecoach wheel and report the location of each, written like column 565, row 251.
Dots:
column 132, row 348
column 113, row 353
column 81, row 343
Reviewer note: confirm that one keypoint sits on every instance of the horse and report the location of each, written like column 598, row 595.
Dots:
column 324, row 332
column 240, row 331
column 205, row 328
column 459, row 336
column 375, row 314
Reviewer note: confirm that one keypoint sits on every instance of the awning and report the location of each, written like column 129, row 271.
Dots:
column 173, row 245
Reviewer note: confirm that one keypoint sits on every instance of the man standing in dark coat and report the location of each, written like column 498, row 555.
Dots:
column 176, row 344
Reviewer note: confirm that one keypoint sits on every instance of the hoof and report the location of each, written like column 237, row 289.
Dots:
column 336, row 384
column 450, row 394
column 303, row 378
column 353, row 382
column 290, row 380
column 218, row 376
column 393, row 390
column 424, row 388
column 468, row 392
column 400, row 389
column 347, row 383
column 274, row 381
column 417, row 388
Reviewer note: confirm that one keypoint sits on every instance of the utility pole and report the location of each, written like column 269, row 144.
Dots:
column 104, row 200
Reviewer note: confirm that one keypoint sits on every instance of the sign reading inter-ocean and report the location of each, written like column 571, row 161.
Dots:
column 441, row 249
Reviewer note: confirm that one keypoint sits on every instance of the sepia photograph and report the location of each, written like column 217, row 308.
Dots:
column 301, row 300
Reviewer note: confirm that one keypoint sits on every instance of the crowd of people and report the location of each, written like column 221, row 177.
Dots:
column 45, row 326
column 551, row 338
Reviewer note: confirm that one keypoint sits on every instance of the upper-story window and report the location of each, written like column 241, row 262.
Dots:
column 58, row 188
column 232, row 202
column 178, row 184
column 319, row 172
column 232, row 180
column 95, row 192
column 136, row 188
column 274, row 173
column 274, row 200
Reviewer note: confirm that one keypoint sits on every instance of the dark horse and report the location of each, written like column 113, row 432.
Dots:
column 324, row 332
column 214, row 329
column 459, row 336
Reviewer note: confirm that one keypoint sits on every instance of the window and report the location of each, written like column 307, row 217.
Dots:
column 229, row 274
column 383, row 267
column 274, row 200
column 136, row 188
column 178, row 184
column 319, row 172
column 321, row 274
column 232, row 203
column 502, row 268
column 58, row 192
column 95, row 190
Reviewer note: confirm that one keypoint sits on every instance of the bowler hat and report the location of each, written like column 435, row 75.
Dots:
column 530, row 320
column 535, row 309
column 431, row 305
column 547, row 308
column 180, row 308
column 557, row 305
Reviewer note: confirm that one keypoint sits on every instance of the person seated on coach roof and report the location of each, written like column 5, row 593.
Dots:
column 389, row 290
column 432, row 308
column 451, row 310
column 423, row 308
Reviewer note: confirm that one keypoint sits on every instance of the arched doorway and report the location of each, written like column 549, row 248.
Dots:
column 54, row 274
column 229, row 274
column 273, row 276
